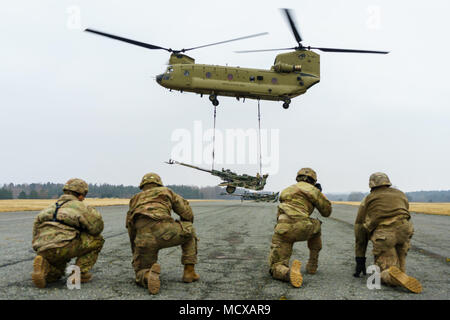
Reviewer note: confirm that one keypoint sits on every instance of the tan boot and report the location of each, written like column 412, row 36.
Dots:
column 295, row 275
column 153, row 282
column 404, row 280
column 41, row 268
column 189, row 274
column 313, row 262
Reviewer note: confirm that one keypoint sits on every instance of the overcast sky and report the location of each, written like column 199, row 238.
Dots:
column 74, row 104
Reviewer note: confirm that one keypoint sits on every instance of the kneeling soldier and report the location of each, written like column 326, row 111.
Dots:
column 65, row 230
column 151, row 228
column 294, row 224
column 383, row 217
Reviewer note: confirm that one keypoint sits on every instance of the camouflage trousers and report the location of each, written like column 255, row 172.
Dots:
column 148, row 236
column 286, row 233
column 390, row 247
column 85, row 248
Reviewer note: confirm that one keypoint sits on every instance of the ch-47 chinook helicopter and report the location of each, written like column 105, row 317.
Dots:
column 292, row 74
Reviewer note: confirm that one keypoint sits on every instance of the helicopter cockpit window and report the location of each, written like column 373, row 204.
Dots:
column 169, row 70
column 186, row 73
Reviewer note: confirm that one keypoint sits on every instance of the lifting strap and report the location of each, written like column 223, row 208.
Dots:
column 214, row 138
column 259, row 135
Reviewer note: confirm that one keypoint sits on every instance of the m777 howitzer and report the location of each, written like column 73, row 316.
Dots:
column 231, row 179
column 266, row 197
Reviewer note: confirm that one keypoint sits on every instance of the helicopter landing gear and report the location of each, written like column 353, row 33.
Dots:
column 230, row 189
column 213, row 99
column 286, row 103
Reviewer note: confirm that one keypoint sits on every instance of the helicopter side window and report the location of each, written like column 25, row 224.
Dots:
column 252, row 78
column 208, row 74
column 186, row 73
column 260, row 77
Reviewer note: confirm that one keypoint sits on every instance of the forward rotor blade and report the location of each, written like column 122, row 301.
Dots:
column 348, row 50
column 292, row 24
column 136, row 43
column 263, row 50
column 215, row 43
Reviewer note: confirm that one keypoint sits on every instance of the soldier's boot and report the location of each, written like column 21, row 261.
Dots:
column 189, row 274
column 153, row 282
column 402, row 279
column 313, row 262
column 41, row 267
column 295, row 275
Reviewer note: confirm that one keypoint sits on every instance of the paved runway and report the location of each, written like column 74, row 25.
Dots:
column 233, row 250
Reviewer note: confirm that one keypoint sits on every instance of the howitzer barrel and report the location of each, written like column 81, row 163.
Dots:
column 188, row 165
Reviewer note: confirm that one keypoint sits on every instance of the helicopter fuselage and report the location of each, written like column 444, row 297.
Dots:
column 291, row 75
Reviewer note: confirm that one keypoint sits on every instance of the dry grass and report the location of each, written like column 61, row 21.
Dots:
column 442, row 208
column 39, row 204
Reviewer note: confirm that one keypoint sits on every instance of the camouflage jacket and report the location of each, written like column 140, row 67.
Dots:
column 73, row 216
column 300, row 199
column 157, row 203
column 382, row 206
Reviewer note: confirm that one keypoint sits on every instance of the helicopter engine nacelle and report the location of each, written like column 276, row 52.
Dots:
column 285, row 67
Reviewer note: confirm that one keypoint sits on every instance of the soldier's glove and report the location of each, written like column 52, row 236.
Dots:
column 360, row 266
column 318, row 186
column 183, row 219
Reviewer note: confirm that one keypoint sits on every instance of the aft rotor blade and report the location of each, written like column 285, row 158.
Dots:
column 215, row 43
column 292, row 24
column 263, row 50
column 348, row 50
column 136, row 43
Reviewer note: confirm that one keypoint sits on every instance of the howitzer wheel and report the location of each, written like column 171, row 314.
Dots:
column 230, row 189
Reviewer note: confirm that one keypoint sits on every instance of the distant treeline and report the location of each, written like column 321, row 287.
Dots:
column 54, row 190
column 415, row 196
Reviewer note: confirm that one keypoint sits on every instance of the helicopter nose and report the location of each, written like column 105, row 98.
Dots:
column 159, row 78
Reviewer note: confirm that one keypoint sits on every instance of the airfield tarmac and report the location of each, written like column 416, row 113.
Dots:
column 233, row 249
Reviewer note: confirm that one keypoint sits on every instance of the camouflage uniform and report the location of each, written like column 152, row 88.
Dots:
column 294, row 224
column 75, row 233
column 383, row 218
column 151, row 227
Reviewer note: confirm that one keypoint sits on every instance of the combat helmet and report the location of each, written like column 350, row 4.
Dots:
column 150, row 178
column 76, row 185
column 379, row 179
column 307, row 172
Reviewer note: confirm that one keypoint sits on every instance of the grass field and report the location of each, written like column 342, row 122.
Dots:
column 39, row 204
column 420, row 207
